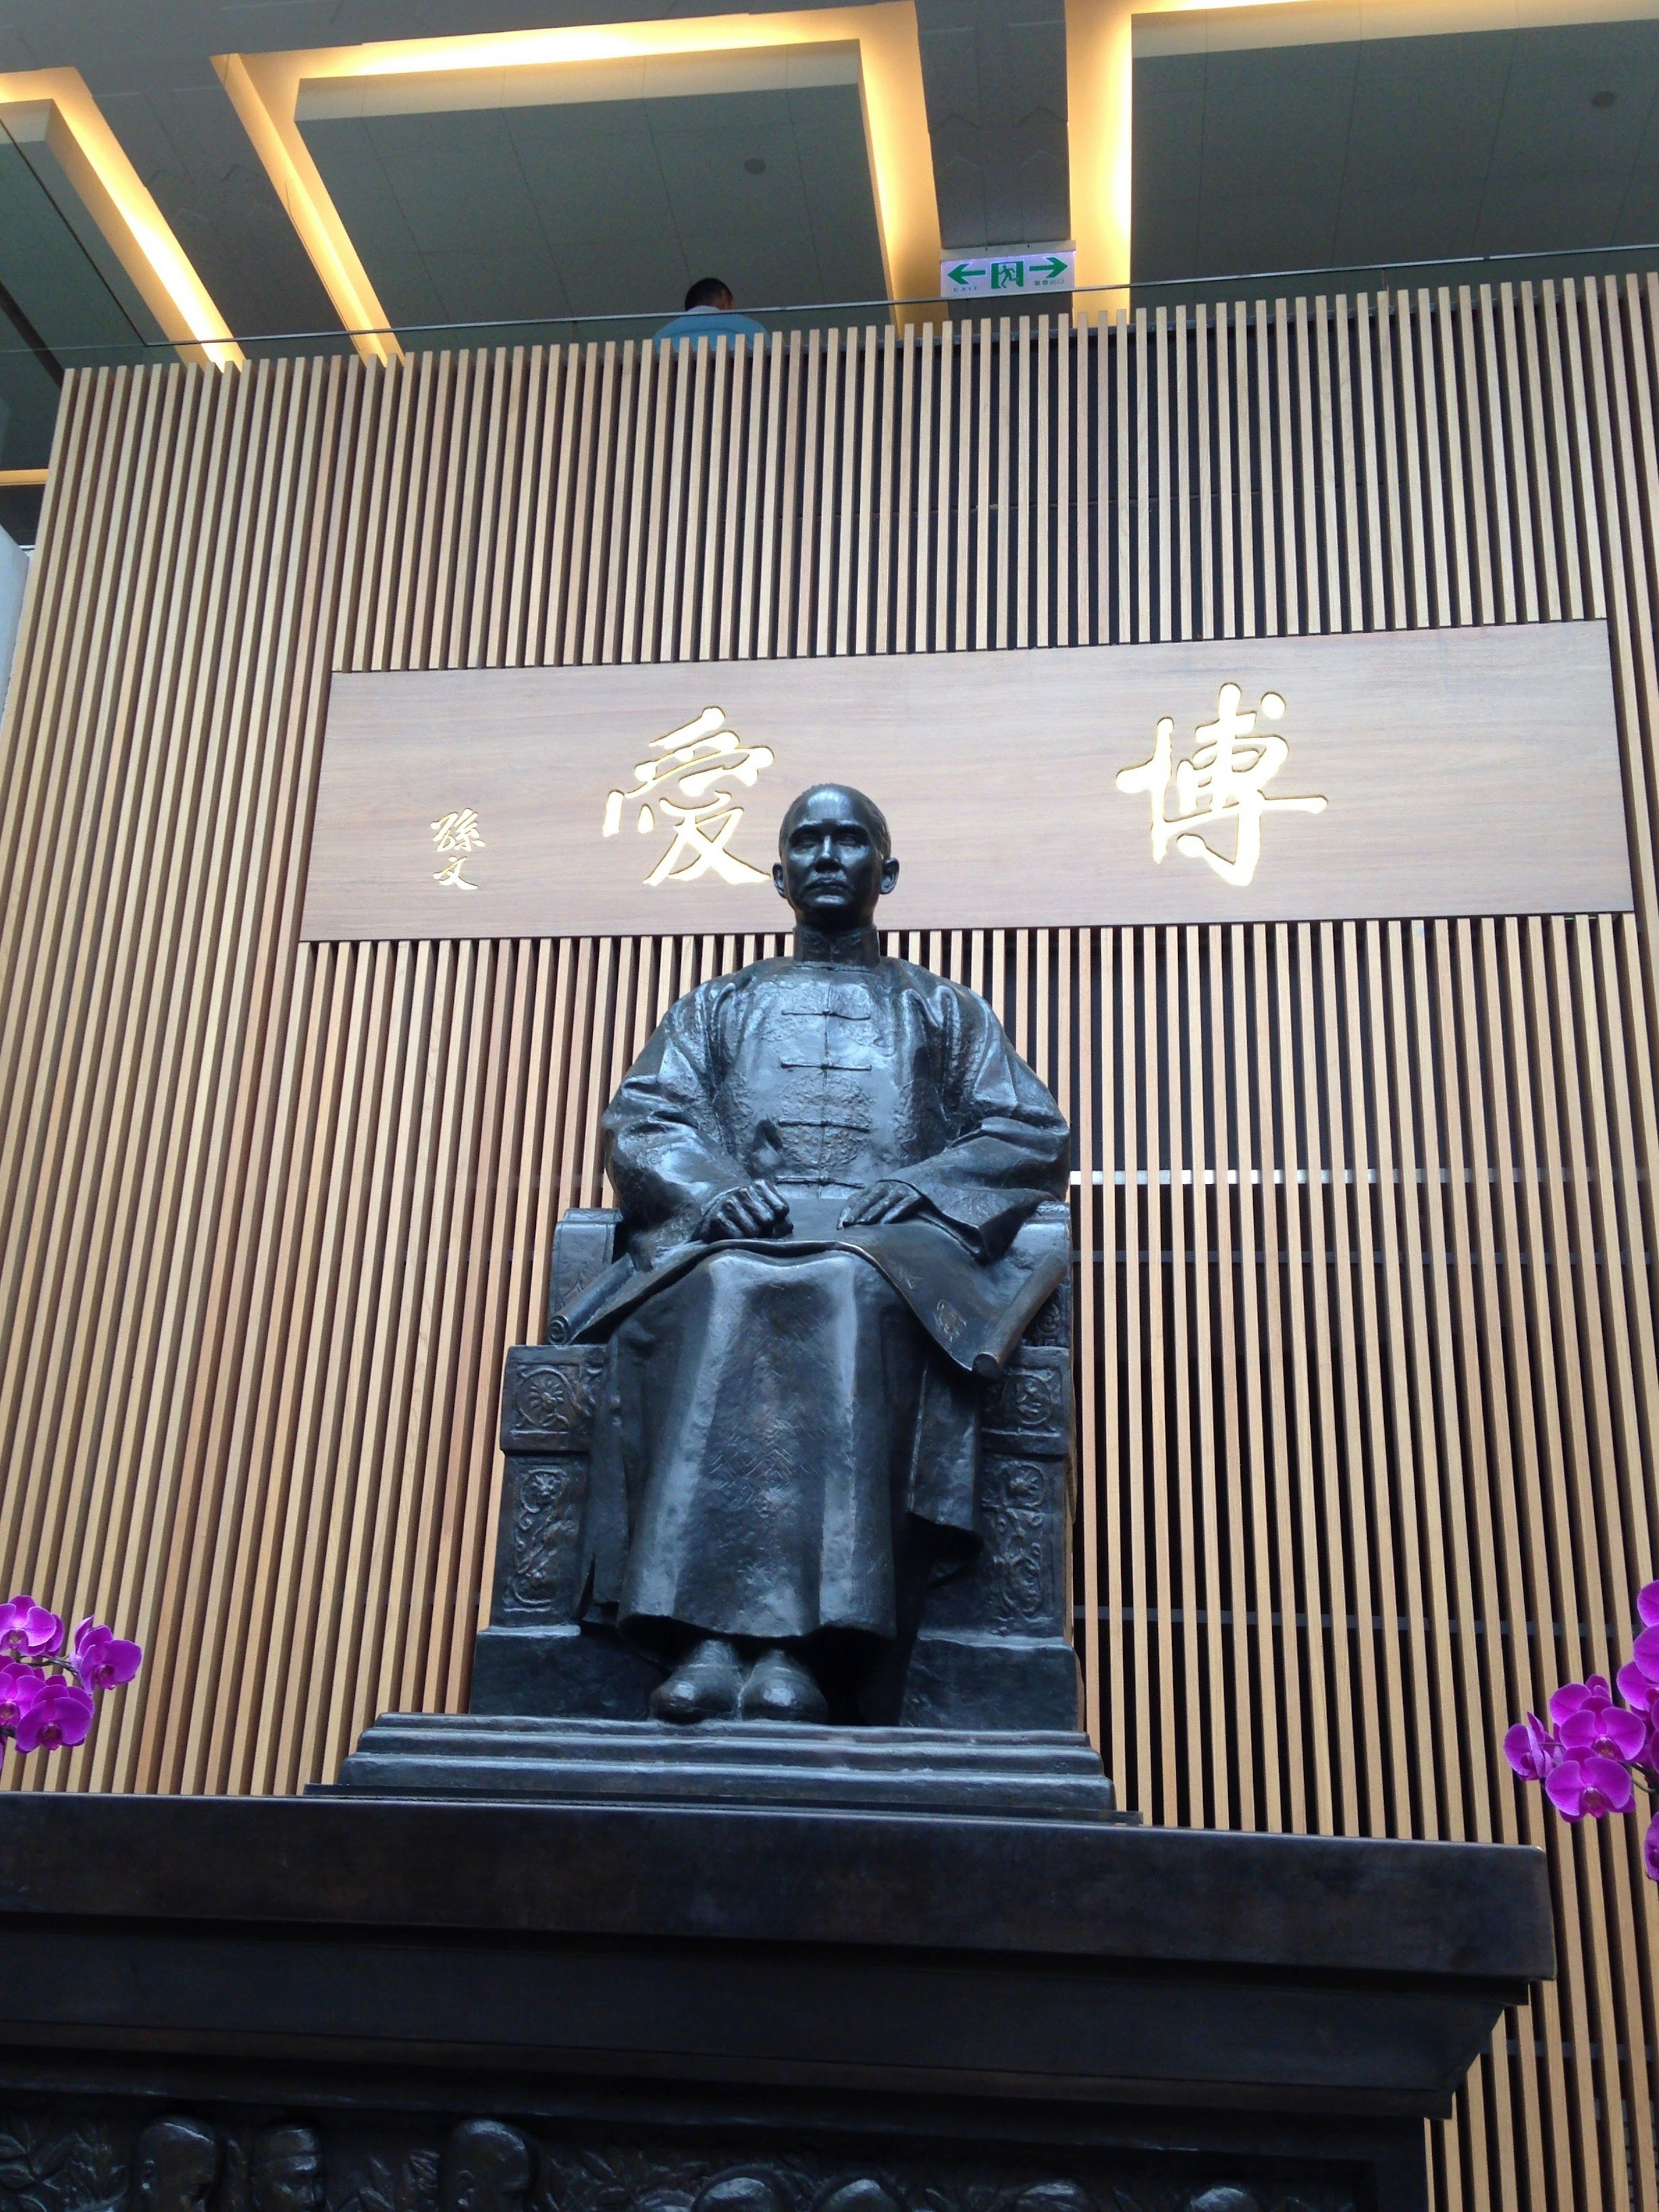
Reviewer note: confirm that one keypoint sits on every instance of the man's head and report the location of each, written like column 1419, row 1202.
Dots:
column 175, row 2164
column 486, row 2168
column 710, row 292
column 835, row 857
column 286, row 2171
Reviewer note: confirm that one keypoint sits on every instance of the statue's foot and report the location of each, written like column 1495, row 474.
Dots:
column 704, row 1687
column 778, row 1688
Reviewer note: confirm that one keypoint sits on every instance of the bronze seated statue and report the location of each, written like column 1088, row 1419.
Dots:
column 798, row 1446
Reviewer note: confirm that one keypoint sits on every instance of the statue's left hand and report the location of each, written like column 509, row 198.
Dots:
column 882, row 1201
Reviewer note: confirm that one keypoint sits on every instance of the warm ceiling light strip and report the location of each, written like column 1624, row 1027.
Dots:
column 1100, row 83
column 1099, row 108
column 265, row 91
column 109, row 187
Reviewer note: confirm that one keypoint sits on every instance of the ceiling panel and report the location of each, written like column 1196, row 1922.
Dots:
column 1354, row 152
column 64, row 301
column 1266, row 133
column 607, row 206
column 188, row 145
column 1562, row 164
column 1425, row 113
column 55, row 263
column 1168, row 163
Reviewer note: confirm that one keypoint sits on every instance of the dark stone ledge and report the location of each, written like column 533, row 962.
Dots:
column 854, row 1954
column 1292, row 1905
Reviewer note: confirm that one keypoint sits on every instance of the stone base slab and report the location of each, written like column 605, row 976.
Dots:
column 682, row 2006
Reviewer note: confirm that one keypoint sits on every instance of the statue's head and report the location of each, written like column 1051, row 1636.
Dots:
column 835, row 857
column 286, row 2172
column 486, row 2168
column 175, row 2163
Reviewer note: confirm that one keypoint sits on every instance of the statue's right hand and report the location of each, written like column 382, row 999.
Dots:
column 751, row 1209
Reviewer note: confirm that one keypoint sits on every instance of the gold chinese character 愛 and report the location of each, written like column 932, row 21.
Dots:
column 459, row 835
column 695, row 759
column 1223, row 782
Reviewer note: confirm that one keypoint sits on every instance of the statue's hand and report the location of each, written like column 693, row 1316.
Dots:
column 750, row 1209
column 882, row 1201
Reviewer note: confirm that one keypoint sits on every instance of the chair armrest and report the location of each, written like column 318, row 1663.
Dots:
column 1049, row 1229
column 584, row 1246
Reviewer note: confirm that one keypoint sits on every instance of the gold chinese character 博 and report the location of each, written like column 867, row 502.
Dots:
column 459, row 835
column 1220, row 788
column 695, row 759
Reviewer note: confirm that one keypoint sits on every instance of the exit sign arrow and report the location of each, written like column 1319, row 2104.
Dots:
column 1005, row 273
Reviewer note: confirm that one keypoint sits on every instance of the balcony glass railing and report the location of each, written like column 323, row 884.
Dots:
column 34, row 362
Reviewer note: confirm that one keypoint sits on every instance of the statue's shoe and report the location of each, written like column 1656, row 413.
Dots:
column 704, row 1687
column 778, row 1688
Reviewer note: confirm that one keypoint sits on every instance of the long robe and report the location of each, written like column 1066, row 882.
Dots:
column 783, row 1408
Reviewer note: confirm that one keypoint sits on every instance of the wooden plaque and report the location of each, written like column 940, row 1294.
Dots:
column 1409, row 773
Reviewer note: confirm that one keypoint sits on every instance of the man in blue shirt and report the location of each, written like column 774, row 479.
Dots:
column 710, row 313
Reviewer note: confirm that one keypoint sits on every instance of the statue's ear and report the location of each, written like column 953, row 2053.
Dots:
column 777, row 879
column 889, row 876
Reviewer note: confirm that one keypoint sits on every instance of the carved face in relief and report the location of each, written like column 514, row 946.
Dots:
column 486, row 2168
column 175, row 2165
column 288, row 2172
column 834, row 861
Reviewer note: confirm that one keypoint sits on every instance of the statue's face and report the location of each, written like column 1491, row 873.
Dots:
column 830, row 868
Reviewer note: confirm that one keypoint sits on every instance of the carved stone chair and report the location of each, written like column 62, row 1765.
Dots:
column 993, row 1649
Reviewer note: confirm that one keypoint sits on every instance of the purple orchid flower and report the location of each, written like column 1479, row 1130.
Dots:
column 1605, row 1732
column 28, row 1630
column 102, row 1659
column 1643, row 1698
column 1644, row 1652
column 20, row 1688
column 1531, row 1750
column 1648, row 1757
column 60, row 1714
column 1580, row 1788
column 1591, row 1696
column 1594, row 1752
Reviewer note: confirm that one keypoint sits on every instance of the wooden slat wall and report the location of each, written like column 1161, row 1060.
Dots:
column 1364, row 1212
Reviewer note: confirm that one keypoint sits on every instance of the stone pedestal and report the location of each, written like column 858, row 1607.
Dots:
column 1027, row 1774
column 685, row 2006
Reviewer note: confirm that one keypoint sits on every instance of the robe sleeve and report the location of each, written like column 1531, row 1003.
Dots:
column 1012, row 1149
column 664, row 1148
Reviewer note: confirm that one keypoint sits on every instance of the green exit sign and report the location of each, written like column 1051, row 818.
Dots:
column 973, row 275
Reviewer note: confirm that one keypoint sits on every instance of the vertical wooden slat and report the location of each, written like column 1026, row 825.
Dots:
column 711, row 520
column 1226, row 514
column 917, row 570
column 1092, row 1251
column 835, row 508
column 1256, row 521
column 979, row 362
column 743, row 444
column 697, row 548
column 890, row 610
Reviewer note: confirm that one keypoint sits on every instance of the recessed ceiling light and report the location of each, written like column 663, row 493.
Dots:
column 756, row 167
column 1602, row 99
